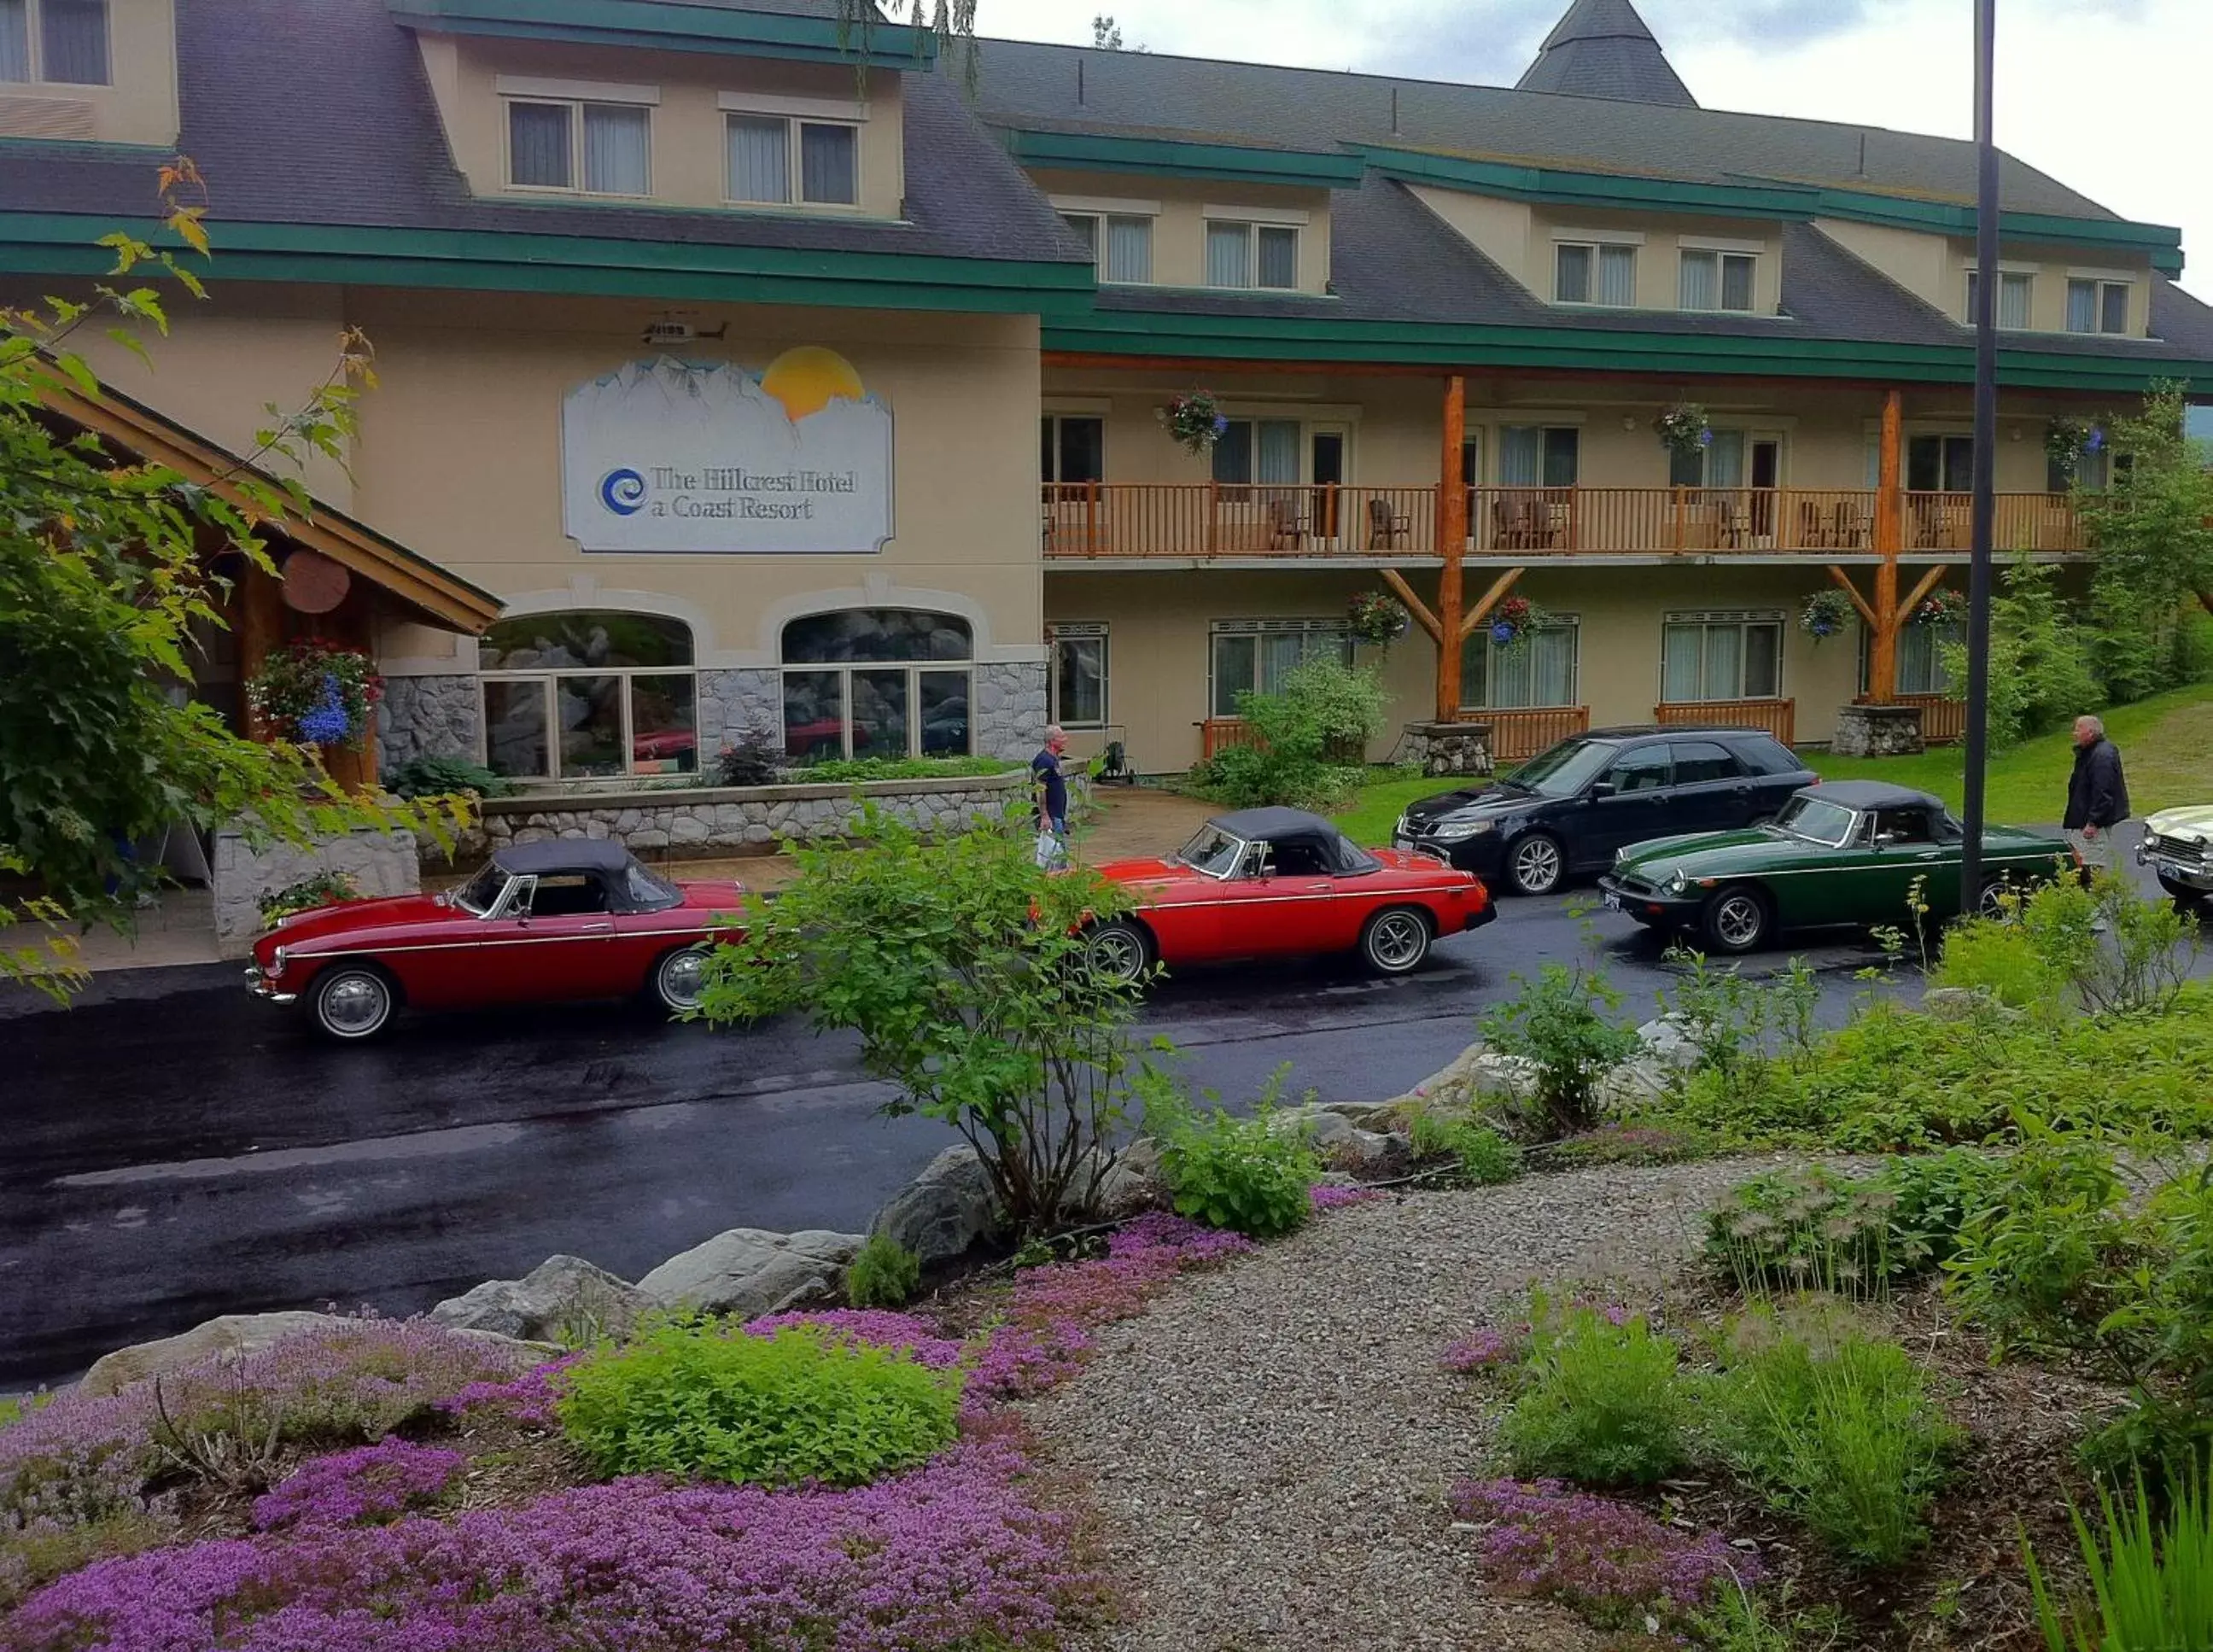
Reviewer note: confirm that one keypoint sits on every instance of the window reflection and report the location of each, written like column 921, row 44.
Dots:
column 863, row 690
column 870, row 634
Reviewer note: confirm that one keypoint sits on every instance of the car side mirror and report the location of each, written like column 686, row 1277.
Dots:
column 1883, row 839
column 1603, row 789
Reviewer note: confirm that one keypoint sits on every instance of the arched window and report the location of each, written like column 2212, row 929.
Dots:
column 589, row 694
column 877, row 682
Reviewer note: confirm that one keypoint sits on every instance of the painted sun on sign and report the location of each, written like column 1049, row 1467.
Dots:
column 700, row 458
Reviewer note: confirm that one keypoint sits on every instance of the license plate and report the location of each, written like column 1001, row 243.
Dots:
column 1612, row 903
column 1401, row 841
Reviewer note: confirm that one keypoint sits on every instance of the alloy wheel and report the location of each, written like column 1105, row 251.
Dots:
column 1536, row 866
column 1738, row 921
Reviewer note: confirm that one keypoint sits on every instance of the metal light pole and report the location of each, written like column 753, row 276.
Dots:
column 1986, row 452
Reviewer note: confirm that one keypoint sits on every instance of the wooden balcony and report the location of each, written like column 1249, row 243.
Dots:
column 1776, row 717
column 1089, row 522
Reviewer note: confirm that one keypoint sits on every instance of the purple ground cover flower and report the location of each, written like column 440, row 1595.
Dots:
column 1326, row 1197
column 952, row 1554
column 371, row 1483
column 1486, row 1350
column 527, row 1399
column 1608, row 1560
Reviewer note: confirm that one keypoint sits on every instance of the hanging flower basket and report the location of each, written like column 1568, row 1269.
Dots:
column 316, row 692
column 1942, row 607
column 1195, row 420
column 1826, row 614
column 1683, row 429
column 1377, row 617
column 2066, row 440
column 1515, row 620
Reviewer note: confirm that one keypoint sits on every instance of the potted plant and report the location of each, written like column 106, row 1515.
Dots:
column 1377, row 617
column 1515, row 621
column 1942, row 607
column 2066, row 440
column 1826, row 614
column 316, row 692
column 1195, row 420
column 1683, row 429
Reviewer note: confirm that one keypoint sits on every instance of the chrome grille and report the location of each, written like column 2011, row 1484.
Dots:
column 2177, row 848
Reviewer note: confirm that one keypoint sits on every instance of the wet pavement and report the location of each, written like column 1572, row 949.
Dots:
column 176, row 1149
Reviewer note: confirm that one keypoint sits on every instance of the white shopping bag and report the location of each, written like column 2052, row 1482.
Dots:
column 1051, row 851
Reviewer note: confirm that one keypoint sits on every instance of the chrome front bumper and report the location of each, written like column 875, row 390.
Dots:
column 262, row 987
column 2196, row 874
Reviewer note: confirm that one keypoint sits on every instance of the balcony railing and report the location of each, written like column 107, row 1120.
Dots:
column 1519, row 732
column 1776, row 717
column 1090, row 521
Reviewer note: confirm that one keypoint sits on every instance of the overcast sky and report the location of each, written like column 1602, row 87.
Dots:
column 2103, row 95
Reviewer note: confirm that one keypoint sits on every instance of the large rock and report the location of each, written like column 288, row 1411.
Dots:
column 749, row 1271
column 564, row 1299
column 1666, row 1042
column 234, row 1334
column 944, row 1210
column 1132, row 1182
column 1635, row 1084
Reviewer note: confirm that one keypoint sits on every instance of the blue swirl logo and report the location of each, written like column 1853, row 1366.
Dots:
column 623, row 491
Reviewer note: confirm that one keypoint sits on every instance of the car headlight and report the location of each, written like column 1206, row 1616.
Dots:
column 1454, row 830
column 1680, row 884
column 277, row 960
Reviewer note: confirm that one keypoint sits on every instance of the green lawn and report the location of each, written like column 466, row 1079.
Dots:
column 2166, row 747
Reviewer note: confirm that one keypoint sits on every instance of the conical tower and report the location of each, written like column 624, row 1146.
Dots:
column 1601, row 49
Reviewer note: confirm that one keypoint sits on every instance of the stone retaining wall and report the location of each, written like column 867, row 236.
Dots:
column 739, row 820
column 379, row 863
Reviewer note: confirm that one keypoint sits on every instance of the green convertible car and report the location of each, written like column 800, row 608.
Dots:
column 1846, row 853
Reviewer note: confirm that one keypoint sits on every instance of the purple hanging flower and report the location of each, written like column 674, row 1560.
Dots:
column 2094, row 441
column 327, row 723
column 1502, row 633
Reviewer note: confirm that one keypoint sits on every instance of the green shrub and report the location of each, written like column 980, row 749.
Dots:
column 1562, row 1022
column 2040, row 668
column 2151, row 1580
column 1309, row 740
column 1484, row 1156
column 883, row 1273
column 1808, row 1228
column 2119, row 954
column 1996, row 956
column 324, row 889
column 1837, row 1429
column 1601, row 1400
column 843, row 771
column 691, row 1398
column 1250, row 1175
column 448, row 777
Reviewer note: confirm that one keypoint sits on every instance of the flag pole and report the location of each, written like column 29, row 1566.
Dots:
column 1985, row 511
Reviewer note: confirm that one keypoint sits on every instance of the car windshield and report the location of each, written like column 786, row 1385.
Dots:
column 481, row 892
column 1213, row 851
column 1817, row 820
column 1563, row 770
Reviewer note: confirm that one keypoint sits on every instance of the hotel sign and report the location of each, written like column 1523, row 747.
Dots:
column 675, row 456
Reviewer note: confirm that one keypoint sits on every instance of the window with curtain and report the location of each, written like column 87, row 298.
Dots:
column 2089, row 470
column 2097, row 306
column 1074, row 448
column 1129, row 250
column 1531, row 456
column 1721, row 656
column 589, row 694
column 775, row 160
column 1540, row 672
column 61, row 41
column 538, row 146
column 1589, row 274
column 1079, row 675
column 618, row 150
column 760, row 158
column 2016, row 290
column 877, row 682
column 1719, row 464
column 1716, row 281
column 1248, row 255
column 603, row 148
column 829, row 164
column 1254, row 654
column 1264, row 450
column 1920, row 658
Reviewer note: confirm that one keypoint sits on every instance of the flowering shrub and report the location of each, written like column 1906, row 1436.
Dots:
column 1196, row 422
column 1487, row 1350
column 1376, row 617
column 369, row 1483
column 952, row 1555
column 1606, row 1560
column 1826, row 613
column 801, row 1403
column 2066, row 440
column 1515, row 620
column 317, row 692
column 1684, row 428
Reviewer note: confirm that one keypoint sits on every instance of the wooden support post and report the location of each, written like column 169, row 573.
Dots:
column 1915, row 597
column 1415, row 606
column 1889, row 520
column 260, row 633
column 1451, row 544
column 1873, row 620
column 1489, row 599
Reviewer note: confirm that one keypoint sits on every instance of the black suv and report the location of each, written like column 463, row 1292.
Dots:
column 1568, row 809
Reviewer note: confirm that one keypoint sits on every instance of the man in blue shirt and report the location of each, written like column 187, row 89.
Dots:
column 1050, row 783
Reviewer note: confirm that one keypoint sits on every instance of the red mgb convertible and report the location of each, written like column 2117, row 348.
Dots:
column 1265, row 883
column 541, row 923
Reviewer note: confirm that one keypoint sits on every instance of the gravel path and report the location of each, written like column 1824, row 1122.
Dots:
column 1271, row 1444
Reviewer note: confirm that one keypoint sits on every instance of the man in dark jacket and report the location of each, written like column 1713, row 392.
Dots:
column 2097, row 796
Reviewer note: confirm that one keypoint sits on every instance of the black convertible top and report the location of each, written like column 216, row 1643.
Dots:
column 1282, row 826
column 1873, row 794
column 562, row 854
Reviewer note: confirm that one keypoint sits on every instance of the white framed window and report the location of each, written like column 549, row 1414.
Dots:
column 2095, row 306
column 1724, row 655
column 2017, row 291
column 1542, row 671
column 780, row 159
column 1079, row 673
column 1920, row 658
column 60, row 42
column 576, row 147
column 590, row 694
column 1265, row 450
column 877, row 682
column 1121, row 244
column 1253, row 655
column 1252, row 255
column 1714, row 280
column 1594, row 272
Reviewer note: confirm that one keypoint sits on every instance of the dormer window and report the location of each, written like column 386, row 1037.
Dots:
column 1249, row 255
column 61, row 41
column 1120, row 243
column 1594, row 272
column 579, row 143
column 779, row 153
column 1713, row 279
column 2016, row 288
column 2095, row 306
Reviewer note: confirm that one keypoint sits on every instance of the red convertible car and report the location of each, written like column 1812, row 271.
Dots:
column 541, row 923
column 1266, row 882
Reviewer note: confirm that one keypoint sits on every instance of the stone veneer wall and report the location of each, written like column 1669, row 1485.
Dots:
column 1009, row 714
column 379, row 863
column 723, row 820
column 428, row 717
column 728, row 702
